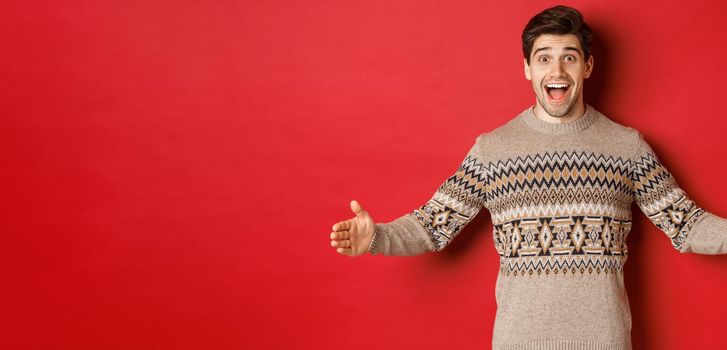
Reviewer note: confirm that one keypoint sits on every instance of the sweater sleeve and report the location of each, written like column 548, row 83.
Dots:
column 690, row 228
column 435, row 224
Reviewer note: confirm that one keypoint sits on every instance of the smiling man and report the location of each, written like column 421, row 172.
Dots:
column 557, row 70
column 559, row 181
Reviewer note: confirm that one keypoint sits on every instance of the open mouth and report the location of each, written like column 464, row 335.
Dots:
column 556, row 91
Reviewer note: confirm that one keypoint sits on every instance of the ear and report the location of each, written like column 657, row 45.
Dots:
column 589, row 67
column 527, row 69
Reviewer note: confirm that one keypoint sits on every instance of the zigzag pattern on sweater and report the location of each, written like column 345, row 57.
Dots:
column 563, row 264
column 559, row 210
column 468, row 183
column 575, row 204
column 558, row 170
column 662, row 200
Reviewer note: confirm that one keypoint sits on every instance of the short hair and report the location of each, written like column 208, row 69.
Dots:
column 558, row 20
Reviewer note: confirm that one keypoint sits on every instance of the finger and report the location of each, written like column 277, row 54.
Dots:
column 342, row 226
column 344, row 251
column 341, row 235
column 357, row 209
column 344, row 243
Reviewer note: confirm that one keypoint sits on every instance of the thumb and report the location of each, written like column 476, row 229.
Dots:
column 356, row 208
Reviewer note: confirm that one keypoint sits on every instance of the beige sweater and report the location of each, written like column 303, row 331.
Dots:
column 560, row 200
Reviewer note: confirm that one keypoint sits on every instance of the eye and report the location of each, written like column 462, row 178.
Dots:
column 570, row 58
column 542, row 59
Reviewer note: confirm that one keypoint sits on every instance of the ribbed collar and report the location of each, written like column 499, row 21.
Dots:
column 571, row 127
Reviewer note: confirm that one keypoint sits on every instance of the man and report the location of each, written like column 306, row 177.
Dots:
column 559, row 180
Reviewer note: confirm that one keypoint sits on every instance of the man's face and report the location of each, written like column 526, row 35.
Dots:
column 557, row 69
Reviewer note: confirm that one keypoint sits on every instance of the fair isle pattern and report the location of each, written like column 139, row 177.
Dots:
column 553, row 213
column 541, row 203
column 592, row 244
column 663, row 202
column 454, row 204
column 559, row 172
column 560, row 212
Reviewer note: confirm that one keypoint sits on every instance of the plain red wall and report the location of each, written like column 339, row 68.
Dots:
column 171, row 169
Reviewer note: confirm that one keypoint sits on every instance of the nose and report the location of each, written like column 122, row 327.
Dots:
column 558, row 69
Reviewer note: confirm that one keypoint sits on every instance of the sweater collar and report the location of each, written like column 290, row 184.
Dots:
column 570, row 127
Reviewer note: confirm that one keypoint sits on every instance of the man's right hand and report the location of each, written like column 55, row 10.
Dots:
column 353, row 237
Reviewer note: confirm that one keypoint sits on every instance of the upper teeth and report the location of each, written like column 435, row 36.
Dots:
column 556, row 86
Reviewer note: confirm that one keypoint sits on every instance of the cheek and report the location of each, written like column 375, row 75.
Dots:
column 577, row 73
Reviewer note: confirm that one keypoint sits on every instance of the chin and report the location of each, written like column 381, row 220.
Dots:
column 559, row 112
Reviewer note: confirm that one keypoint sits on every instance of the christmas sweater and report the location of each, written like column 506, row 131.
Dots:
column 560, row 197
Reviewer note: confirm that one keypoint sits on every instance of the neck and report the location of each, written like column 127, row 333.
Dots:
column 563, row 128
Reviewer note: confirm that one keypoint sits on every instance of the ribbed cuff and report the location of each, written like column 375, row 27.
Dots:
column 377, row 240
column 563, row 345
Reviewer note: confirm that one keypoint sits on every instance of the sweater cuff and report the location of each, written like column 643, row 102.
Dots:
column 378, row 239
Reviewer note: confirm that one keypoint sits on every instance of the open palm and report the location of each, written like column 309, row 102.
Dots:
column 352, row 237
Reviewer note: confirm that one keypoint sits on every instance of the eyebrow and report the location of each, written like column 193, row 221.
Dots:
column 568, row 48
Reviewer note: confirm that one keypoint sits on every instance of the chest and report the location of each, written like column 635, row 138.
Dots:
column 557, row 178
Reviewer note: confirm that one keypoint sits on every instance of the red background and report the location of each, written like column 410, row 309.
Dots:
column 171, row 169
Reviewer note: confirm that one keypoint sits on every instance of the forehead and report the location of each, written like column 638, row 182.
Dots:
column 556, row 42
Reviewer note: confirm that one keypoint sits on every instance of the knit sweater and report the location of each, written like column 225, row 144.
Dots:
column 560, row 196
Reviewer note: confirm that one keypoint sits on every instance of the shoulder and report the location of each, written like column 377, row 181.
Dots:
column 503, row 132
column 619, row 131
column 609, row 125
column 628, row 136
